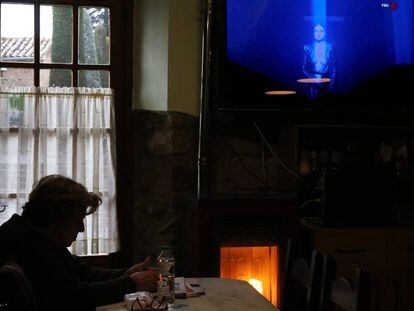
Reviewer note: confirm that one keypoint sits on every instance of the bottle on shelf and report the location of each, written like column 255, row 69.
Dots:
column 353, row 153
column 411, row 157
column 386, row 152
column 305, row 163
column 314, row 160
column 336, row 159
column 401, row 158
column 166, row 269
column 324, row 157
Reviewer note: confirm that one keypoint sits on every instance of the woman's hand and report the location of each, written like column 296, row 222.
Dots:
column 145, row 280
column 139, row 267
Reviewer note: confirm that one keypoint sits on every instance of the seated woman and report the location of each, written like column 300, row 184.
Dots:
column 38, row 240
column 319, row 61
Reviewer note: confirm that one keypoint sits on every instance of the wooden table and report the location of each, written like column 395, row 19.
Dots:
column 221, row 295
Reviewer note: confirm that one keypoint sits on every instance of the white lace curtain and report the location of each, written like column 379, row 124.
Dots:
column 67, row 131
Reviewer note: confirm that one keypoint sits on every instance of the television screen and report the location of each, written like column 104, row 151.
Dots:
column 318, row 53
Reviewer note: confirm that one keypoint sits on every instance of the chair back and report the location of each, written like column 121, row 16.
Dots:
column 16, row 293
column 302, row 281
column 349, row 295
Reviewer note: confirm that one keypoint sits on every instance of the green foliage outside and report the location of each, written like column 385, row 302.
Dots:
column 93, row 45
column 61, row 46
column 16, row 102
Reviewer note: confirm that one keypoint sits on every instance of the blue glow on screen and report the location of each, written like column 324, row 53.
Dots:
column 319, row 12
column 403, row 25
column 365, row 38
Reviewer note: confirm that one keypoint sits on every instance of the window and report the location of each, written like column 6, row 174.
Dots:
column 58, row 44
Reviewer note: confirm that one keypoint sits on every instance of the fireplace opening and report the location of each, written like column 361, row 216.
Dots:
column 257, row 265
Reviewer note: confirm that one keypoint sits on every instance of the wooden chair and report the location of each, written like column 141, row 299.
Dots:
column 339, row 291
column 302, row 281
column 16, row 293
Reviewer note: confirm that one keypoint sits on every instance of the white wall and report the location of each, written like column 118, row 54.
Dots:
column 167, row 55
column 151, row 24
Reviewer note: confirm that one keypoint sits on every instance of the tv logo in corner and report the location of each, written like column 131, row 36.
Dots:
column 391, row 4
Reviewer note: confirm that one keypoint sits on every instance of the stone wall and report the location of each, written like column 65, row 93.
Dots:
column 242, row 164
column 165, row 148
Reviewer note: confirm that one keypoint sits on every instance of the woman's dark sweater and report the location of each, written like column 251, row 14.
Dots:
column 60, row 281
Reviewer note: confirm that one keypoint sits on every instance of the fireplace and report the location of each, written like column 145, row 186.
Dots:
column 257, row 265
column 246, row 239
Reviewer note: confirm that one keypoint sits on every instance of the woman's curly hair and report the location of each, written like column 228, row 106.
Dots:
column 55, row 198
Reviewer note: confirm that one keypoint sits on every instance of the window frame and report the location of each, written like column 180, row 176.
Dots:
column 121, row 72
column 75, row 67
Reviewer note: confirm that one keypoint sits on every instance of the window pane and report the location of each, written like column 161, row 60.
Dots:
column 56, row 34
column 14, row 115
column 17, row 77
column 9, row 205
column 55, row 77
column 17, row 33
column 94, row 36
column 93, row 78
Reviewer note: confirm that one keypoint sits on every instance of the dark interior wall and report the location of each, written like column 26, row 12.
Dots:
column 165, row 210
column 165, row 148
column 242, row 163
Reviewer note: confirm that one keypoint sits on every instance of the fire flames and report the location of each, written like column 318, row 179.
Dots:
column 257, row 285
column 258, row 265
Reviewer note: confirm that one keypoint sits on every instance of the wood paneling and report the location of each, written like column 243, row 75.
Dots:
column 387, row 254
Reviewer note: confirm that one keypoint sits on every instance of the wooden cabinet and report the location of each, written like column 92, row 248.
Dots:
column 386, row 253
column 378, row 288
column 400, row 249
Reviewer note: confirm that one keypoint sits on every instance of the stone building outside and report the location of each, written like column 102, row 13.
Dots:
column 21, row 50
